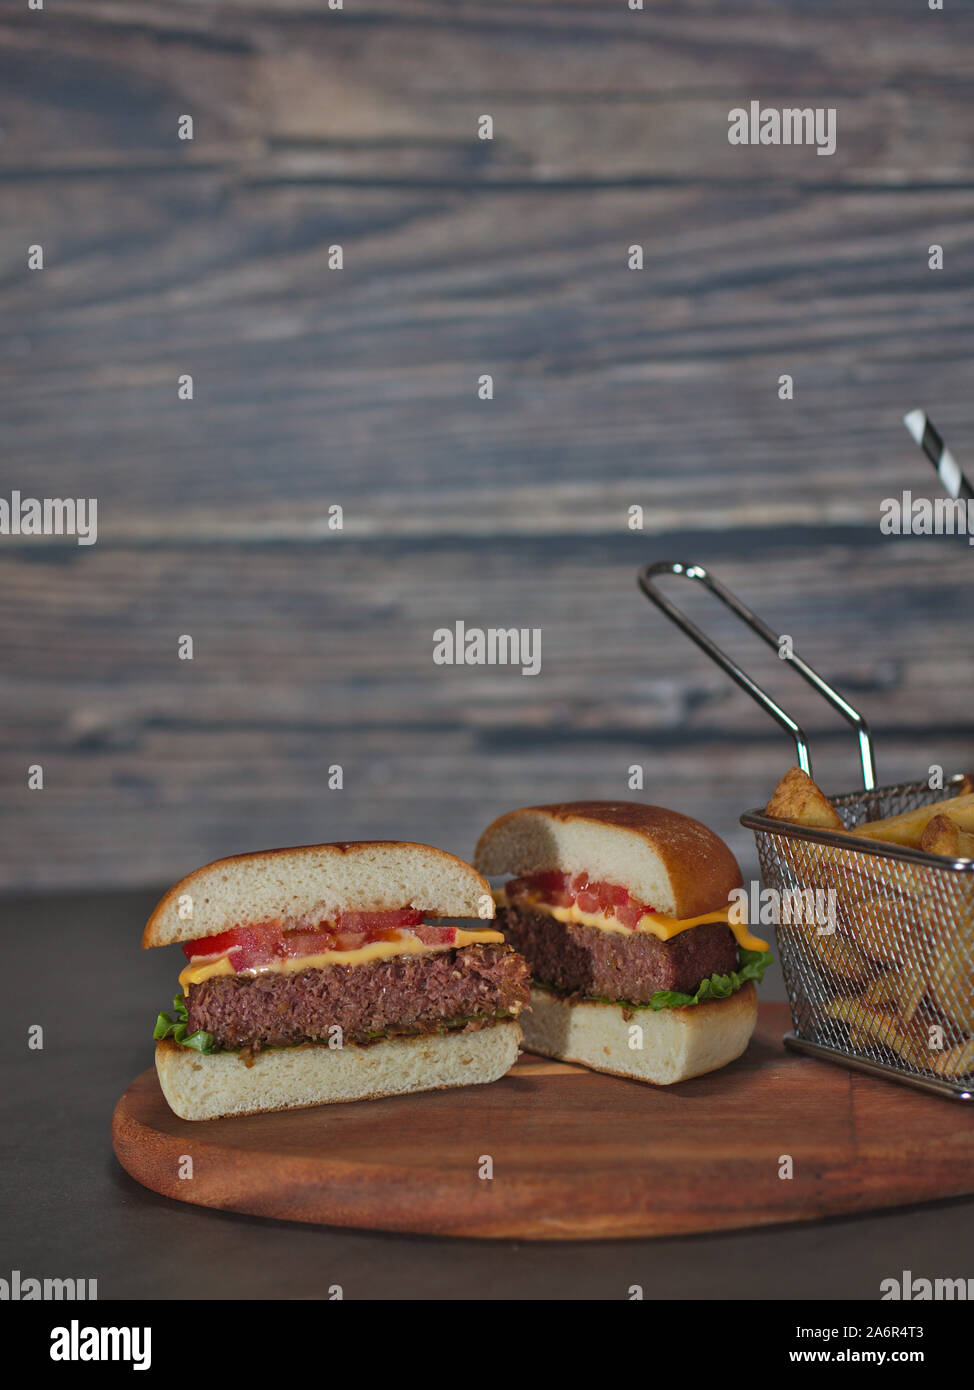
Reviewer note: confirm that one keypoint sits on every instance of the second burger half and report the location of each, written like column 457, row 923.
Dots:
column 626, row 914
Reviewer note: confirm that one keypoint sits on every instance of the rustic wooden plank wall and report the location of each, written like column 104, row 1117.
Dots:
column 612, row 388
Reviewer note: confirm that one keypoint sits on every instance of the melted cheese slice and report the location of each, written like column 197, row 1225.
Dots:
column 654, row 923
column 205, row 968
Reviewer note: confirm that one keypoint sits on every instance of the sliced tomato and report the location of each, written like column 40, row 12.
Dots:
column 303, row 942
column 588, row 901
column 243, row 945
column 628, row 914
column 612, row 895
column 552, row 881
column 588, row 894
column 248, row 947
column 551, row 888
column 343, row 941
column 437, row 936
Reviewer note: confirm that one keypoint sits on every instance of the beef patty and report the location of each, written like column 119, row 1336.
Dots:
column 630, row 967
column 466, row 987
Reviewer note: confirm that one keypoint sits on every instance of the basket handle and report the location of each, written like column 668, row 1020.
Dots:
column 699, row 575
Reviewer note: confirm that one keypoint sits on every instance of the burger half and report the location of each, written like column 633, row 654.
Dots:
column 316, row 975
column 626, row 915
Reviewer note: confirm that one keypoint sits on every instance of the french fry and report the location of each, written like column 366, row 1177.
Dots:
column 943, row 835
column 913, row 988
column 952, row 980
column 886, row 1013
column 883, row 993
column 956, row 1061
column 907, row 829
column 899, row 990
column 798, row 800
column 879, row 1026
column 834, row 952
column 886, row 923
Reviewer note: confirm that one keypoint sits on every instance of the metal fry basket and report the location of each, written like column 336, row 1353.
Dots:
column 882, row 978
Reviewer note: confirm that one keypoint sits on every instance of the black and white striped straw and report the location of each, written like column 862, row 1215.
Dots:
column 948, row 469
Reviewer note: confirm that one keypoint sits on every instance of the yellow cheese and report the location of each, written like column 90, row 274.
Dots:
column 199, row 969
column 655, row 923
column 193, row 974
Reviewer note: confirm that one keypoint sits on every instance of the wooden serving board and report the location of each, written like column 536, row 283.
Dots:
column 576, row 1155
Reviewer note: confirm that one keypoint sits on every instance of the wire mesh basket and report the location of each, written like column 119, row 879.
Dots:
column 876, row 940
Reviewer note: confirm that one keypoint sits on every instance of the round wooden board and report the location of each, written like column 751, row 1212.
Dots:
column 575, row 1154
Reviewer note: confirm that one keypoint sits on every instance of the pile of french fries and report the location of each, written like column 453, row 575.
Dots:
column 899, row 983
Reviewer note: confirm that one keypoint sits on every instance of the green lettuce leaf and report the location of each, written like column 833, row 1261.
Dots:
column 751, row 966
column 175, row 1028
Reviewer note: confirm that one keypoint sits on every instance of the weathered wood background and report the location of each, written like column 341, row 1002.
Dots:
column 612, row 387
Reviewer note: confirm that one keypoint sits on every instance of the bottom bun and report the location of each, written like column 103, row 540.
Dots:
column 675, row 1043
column 200, row 1086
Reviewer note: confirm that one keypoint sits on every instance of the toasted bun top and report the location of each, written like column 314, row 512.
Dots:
column 666, row 860
column 308, row 885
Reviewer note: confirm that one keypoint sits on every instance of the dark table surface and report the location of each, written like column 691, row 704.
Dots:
column 70, row 1210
